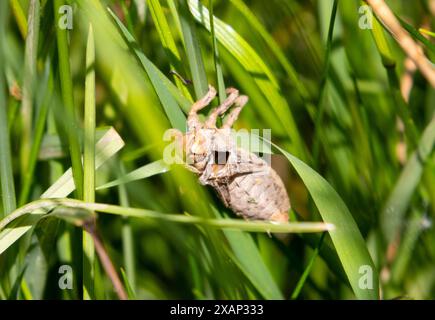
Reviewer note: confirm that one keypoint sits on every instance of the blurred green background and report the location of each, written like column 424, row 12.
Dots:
column 335, row 95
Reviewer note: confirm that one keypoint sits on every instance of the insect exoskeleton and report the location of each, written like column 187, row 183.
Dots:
column 245, row 182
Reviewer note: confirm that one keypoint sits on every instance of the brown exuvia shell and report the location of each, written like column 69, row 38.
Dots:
column 245, row 182
column 255, row 195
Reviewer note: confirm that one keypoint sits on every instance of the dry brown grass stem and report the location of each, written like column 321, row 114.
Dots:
column 409, row 46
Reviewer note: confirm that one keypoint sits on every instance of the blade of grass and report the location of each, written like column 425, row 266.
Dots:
column 249, row 260
column 391, row 217
column 20, row 18
column 411, row 49
column 417, row 34
column 216, row 58
column 415, row 226
column 29, row 80
column 168, row 42
column 127, row 240
column 346, row 236
column 67, row 208
column 165, row 94
column 6, row 170
column 143, row 172
column 127, row 17
column 324, row 78
column 307, row 270
column 21, row 220
column 273, row 45
column 52, row 147
column 130, row 291
column 37, row 139
column 89, row 163
column 426, row 32
column 13, row 294
column 193, row 50
column 390, row 66
column 106, row 147
column 68, row 101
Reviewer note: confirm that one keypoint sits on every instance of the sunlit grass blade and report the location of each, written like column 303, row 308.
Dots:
column 20, row 17
column 106, row 147
column 89, row 163
column 426, row 32
column 143, row 172
column 76, row 211
column 53, row 148
column 67, row 208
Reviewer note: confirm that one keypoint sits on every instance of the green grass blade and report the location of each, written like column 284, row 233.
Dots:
column 127, row 239
column 216, row 57
column 37, row 140
column 273, row 45
column 417, row 35
column 68, row 100
column 426, row 32
column 52, row 146
column 106, row 147
column 394, row 82
column 250, row 262
column 89, row 122
column 323, row 82
column 168, row 42
column 89, row 163
column 415, row 226
column 143, row 172
column 20, row 17
column 164, row 89
column 6, row 170
column 29, row 80
column 307, row 270
column 193, row 51
column 44, row 206
column 130, row 291
column 346, row 236
column 75, row 211
column 13, row 294
column 392, row 215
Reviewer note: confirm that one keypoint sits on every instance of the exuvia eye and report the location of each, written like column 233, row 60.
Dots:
column 221, row 157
